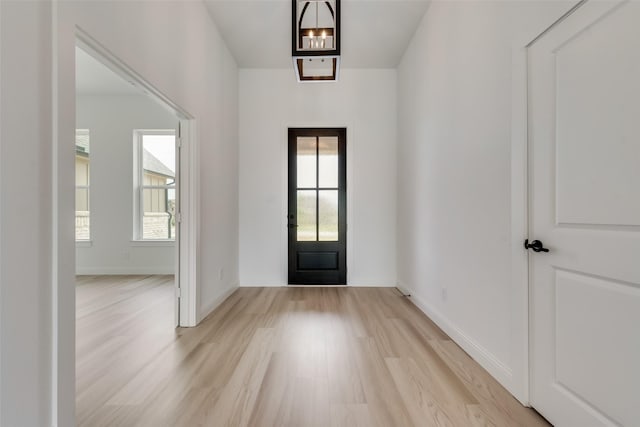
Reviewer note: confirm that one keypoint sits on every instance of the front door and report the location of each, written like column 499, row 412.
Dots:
column 584, row 124
column 317, row 207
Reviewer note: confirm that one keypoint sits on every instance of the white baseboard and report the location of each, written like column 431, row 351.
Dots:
column 485, row 358
column 204, row 312
column 107, row 271
column 261, row 285
column 406, row 292
column 372, row 285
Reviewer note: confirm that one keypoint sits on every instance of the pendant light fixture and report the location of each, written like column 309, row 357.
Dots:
column 316, row 40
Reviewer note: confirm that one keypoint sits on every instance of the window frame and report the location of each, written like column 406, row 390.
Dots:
column 83, row 187
column 139, row 187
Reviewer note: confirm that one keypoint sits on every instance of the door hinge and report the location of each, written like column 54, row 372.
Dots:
column 178, row 292
column 178, row 217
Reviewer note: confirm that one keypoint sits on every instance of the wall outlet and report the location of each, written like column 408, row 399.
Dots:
column 444, row 294
column 221, row 273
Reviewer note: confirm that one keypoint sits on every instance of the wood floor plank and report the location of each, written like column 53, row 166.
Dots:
column 478, row 417
column 503, row 408
column 295, row 356
column 441, row 378
column 274, row 402
column 386, row 404
column 235, row 405
column 310, row 406
column 345, row 381
column 351, row 415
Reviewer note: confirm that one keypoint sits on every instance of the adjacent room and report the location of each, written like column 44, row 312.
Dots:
column 125, row 225
column 319, row 213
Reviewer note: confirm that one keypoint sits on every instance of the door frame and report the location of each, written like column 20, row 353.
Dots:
column 284, row 190
column 188, row 180
column 520, row 181
column 341, row 134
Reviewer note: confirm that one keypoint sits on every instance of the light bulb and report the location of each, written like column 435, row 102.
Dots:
column 324, row 35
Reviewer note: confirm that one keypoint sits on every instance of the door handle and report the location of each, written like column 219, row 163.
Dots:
column 291, row 225
column 536, row 245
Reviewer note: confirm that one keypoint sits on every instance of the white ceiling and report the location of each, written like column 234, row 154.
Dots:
column 94, row 78
column 375, row 33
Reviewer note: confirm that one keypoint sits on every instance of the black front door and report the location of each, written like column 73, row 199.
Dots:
column 317, row 206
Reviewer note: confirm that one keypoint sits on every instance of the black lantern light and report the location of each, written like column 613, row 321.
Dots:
column 316, row 39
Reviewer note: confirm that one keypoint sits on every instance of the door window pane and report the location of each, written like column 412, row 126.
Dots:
column 328, row 162
column 328, row 215
column 306, row 215
column 306, row 162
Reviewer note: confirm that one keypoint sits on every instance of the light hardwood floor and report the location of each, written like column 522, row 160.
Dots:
column 275, row 357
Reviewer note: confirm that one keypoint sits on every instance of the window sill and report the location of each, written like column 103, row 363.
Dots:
column 84, row 243
column 158, row 243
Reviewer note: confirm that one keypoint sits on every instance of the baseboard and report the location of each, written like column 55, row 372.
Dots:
column 371, row 285
column 111, row 271
column 204, row 312
column 485, row 358
column 406, row 292
column 262, row 285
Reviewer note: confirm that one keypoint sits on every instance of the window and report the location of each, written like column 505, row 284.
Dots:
column 155, row 189
column 83, row 229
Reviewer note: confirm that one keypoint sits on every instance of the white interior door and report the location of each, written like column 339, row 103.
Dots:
column 584, row 139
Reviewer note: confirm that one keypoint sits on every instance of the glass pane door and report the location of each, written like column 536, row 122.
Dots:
column 317, row 205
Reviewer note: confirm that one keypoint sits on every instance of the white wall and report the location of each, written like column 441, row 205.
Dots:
column 454, row 203
column 25, row 221
column 111, row 121
column 174, row 46
column 363, row 101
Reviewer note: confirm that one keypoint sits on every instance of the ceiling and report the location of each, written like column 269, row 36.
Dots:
column 375, row 33
column 94, row 78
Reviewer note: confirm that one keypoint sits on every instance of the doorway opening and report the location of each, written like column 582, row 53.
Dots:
column 127, row 186
column 317, row 207
column 180, row 216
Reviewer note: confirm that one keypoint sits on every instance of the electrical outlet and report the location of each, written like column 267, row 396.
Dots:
column 221, row 274
column 444, row 294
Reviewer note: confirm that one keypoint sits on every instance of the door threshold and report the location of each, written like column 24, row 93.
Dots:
column 314, row 286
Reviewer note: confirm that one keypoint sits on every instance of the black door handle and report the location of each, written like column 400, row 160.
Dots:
column 291, row 225
column 536, row 245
